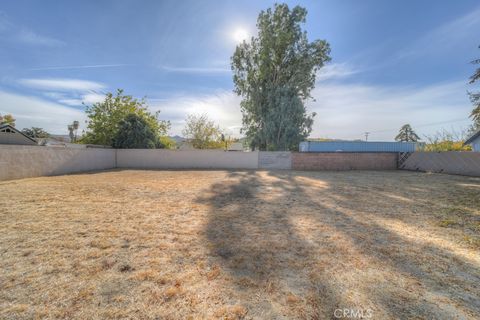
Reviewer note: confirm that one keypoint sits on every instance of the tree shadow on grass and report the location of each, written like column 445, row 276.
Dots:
column 250, row 235
column 446, row 284
column 277, row 235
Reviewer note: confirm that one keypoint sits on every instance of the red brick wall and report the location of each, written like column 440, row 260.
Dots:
column 343, row 161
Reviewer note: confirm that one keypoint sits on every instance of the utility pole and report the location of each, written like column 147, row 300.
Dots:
column 366, row 135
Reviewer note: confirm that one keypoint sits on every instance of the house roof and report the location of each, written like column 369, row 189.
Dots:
column 3, row 126
column 473, row 137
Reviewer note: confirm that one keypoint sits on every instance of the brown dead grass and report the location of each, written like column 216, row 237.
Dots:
column 239, row 245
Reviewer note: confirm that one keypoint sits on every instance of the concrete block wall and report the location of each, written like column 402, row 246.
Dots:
column 188, row 159
column 344, row 161
column 463, row 163
column 275, row 160
column 17, row 162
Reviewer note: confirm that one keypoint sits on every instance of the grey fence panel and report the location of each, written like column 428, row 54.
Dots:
column 275, row 160
column 463, row 163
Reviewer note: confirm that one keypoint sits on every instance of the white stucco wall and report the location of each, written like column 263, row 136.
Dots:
column 185, row 159
column 18, row 162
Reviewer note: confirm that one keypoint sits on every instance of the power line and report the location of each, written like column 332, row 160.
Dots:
column 424, row 125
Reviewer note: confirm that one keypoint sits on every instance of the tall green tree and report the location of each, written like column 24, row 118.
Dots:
column 35, row 132
column 274, row 74
column 475, row 98
column 406, row 134
column 202, row 132
column 134, row 132
column 7, row 119
column 104, row 118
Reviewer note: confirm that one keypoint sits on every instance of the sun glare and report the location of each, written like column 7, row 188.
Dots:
column 240, row 34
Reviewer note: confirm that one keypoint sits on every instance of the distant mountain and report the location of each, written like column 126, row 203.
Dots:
column 178, row 140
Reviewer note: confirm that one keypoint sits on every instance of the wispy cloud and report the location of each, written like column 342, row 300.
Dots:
column 71, row 92
column 80, row 99
column 222, row 106
column 34, row 112
column 344, row 111
column 24, row 35
column 196, row 69
column 461, row 31
column 88, row 98
column 59, row 84
column 94, row 66
column 92, row 97
column 336, row 71
column 459, row 27
column 29, row 37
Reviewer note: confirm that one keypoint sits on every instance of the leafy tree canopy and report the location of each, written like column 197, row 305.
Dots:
column 202, row 132
column 134, row 132
column 104, row 118
column 446, row 141
column 7, row 119
column 406, row 134
column 35, row 132
column 166, row 142
column 275, row 73
column 475, row 98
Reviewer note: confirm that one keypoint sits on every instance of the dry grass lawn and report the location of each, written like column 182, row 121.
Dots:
column 240, row 245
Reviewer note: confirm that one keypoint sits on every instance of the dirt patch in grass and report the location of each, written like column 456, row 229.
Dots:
column 240, row 245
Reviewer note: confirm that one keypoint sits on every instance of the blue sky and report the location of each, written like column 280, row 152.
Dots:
column 393, row 62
